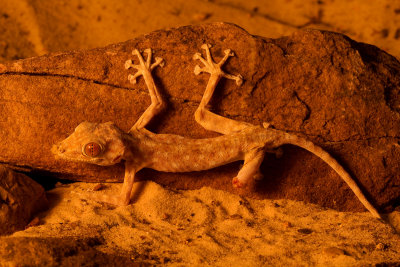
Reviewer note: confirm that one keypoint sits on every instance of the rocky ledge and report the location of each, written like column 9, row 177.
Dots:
column 340, row 94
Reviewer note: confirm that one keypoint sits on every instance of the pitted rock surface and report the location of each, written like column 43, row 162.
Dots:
column 20, row 199
column 340, row 94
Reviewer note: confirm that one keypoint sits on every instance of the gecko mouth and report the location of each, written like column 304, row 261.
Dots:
column 57, row 149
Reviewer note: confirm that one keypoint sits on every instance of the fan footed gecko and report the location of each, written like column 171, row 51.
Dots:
column 105, row 144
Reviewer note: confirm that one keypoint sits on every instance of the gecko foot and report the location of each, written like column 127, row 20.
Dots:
column 144, row 67
column 116, row 200
column 215, row 68
column 237, row 183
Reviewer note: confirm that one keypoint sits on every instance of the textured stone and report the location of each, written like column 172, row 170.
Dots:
column 20, row 199
column 340, row 94
column 52, row 251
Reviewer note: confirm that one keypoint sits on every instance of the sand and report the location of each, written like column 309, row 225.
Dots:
column 216, row 228
column 32, row 27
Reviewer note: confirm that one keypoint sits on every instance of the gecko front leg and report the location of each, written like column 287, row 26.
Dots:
column 217, row 123
column 203, row 116
column 123, row 199
column 144, row 68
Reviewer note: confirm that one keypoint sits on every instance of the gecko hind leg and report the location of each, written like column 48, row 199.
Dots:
column 251, row 168
column 203, row 116
column 144, row 68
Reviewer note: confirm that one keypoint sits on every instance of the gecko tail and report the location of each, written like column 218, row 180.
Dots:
column 327, row 158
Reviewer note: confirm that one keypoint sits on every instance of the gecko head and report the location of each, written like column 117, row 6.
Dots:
column 95, row 143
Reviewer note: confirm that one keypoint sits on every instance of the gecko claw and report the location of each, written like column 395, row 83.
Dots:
column 132, row 78
column 135, row 52
column 128, row 64
column 237, row 183
column 159, row 62
column 239, row 80
column 266, row 125
column 198, row 70
column 229, row 52
column 118, row 200
column 196, row 56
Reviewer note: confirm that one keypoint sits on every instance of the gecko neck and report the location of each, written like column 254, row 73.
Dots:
column 131, row 146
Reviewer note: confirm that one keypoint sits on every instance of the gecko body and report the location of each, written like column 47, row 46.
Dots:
column 106, row 144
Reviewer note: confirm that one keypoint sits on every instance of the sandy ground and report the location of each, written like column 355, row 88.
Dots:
column 202, row 227
column 34, row 27
column 216, row 228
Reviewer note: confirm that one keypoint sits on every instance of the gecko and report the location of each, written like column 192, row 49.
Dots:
column 105, row 144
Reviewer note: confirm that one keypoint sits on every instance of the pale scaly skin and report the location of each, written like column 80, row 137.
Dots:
column 105, row 144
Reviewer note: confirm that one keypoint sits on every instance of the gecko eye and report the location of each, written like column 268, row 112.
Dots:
column 92, row 149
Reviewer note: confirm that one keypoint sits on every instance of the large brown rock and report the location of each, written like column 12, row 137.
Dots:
column 341, row 94
column 53, row 251
column 20, row 199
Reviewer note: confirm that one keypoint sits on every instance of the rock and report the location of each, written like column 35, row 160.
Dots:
column 52, row 251
column 334, row 251
column 305, row 231
column 20, row 199
column 340, row 94
column 380, row 246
